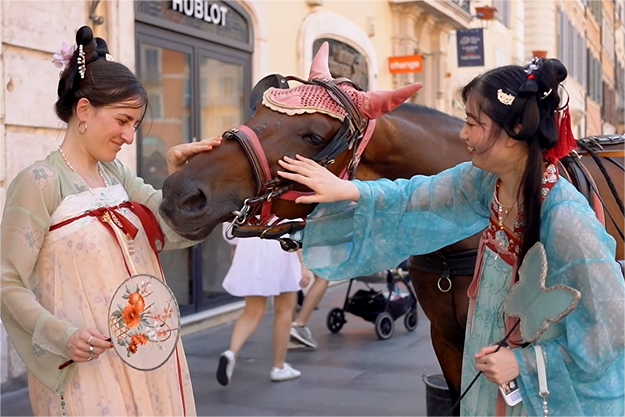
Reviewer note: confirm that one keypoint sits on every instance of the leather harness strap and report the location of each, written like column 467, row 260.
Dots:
column 253, row 149
column 461, row 263
column 611, row 154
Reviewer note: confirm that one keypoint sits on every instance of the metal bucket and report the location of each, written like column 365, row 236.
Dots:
column 437, row 399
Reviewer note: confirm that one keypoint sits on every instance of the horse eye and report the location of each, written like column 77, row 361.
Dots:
column 314, row 140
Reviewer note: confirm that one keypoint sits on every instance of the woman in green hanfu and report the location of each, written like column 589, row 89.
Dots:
column 511, row 191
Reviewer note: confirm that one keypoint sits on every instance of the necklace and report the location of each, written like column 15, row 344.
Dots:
column 109, row 216
column 74, row 170
column 502, row 211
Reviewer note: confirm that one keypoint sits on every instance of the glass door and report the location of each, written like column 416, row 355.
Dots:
column 165, row 71
column 196, row 90
column 222, row 97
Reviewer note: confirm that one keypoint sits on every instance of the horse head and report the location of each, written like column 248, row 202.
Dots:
column 328, row 120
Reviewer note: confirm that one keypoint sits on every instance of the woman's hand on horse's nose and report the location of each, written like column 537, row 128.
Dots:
column 498, row 366
column 177, row 156
column 328, row 187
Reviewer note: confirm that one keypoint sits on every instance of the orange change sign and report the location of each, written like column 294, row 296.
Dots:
column 405, row 64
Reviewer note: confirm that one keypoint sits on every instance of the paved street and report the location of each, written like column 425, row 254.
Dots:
column 351, row 373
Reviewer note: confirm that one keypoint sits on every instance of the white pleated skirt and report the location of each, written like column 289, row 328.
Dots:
column 261, row 268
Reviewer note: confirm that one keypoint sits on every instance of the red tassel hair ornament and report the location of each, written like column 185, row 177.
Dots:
column 566, row 141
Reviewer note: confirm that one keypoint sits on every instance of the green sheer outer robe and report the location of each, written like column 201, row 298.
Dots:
column 40, row 337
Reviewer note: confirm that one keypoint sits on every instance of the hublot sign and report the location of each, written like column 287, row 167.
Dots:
column 199, row 9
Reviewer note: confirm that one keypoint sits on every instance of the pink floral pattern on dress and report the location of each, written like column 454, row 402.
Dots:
column 86, row 264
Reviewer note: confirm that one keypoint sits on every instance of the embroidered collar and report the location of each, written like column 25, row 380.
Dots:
column 506, row 243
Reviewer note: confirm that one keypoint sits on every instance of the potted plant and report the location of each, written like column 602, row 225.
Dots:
column 485, row 12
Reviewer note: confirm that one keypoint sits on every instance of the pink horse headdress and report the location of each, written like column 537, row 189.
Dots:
column 308, row 98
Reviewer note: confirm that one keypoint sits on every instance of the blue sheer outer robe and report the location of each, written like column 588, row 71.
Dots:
column 396, row 219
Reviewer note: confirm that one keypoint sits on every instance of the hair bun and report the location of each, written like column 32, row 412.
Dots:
column 559, row 69
column 84, row 36
column 101, row 47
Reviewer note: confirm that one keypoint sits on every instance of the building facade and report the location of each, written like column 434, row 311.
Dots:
column 199, row 60
column 503, row 38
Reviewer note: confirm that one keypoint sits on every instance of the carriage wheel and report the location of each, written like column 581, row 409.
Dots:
column 384, row 325
column 335, row 320
column 411, row 319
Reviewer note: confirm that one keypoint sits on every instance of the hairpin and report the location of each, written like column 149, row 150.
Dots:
column 82, row 65
column 532, row 65
column 546, row 94
column 109, row 57
column 505, row 98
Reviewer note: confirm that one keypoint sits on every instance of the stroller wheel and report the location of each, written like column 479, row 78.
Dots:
column 411, row 319
column 384, row 325
column 335, row 320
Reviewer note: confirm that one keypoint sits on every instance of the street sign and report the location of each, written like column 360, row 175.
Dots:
column 470, row 45
column 405, row 64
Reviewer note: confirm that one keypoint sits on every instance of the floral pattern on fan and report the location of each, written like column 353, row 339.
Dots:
column 143, row 320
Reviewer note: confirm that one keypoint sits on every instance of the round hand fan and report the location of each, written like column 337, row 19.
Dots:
column 144, row 322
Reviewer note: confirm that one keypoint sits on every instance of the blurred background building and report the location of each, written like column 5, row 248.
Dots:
column 199, row 60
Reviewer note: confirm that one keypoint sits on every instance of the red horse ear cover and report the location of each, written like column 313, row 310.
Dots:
column 375, row 103
column 378, row 103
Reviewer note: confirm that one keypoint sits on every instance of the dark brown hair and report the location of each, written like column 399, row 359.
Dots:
column 105, row 82
column 533, row 112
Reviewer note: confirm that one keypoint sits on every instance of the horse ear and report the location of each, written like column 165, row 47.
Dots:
column 319, row 67
column 378, row 103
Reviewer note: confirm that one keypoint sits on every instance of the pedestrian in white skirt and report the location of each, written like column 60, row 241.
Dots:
column 261, row 269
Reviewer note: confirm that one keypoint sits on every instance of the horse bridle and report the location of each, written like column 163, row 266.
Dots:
column 256, row 218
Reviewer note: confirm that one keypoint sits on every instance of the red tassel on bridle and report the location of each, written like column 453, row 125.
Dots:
column 566, row 141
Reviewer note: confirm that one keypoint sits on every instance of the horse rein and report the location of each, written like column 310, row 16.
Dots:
column 354, row 134
column 592, row 146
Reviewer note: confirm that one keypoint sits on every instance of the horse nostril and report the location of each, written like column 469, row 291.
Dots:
column 195, row 201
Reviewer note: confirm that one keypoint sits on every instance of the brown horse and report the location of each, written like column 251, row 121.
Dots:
column 214, row 185
column 407, row 141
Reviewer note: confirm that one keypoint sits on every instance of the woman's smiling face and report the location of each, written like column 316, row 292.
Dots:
column 111, row 127
column 487, row 143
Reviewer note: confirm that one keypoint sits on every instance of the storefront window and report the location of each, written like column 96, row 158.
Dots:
column 198, row 77
column 222, row 108
column 165, row 75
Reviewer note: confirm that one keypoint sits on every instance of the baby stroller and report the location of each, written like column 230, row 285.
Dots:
column 376, row 306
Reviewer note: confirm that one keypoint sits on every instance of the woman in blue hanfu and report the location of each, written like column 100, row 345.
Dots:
column 511, row 191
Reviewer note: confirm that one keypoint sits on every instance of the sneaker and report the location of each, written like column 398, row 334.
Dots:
column 296, row 344
column 284, row 374
column 302, row 334
column 226, row 367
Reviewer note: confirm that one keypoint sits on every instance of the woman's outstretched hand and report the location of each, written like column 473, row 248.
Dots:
column 178, row 155
column 328, row 187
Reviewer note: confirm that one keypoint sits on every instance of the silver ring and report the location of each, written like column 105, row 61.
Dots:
column 91, row 350
column 89, row 341
column 90, row 357
column 440, row 287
